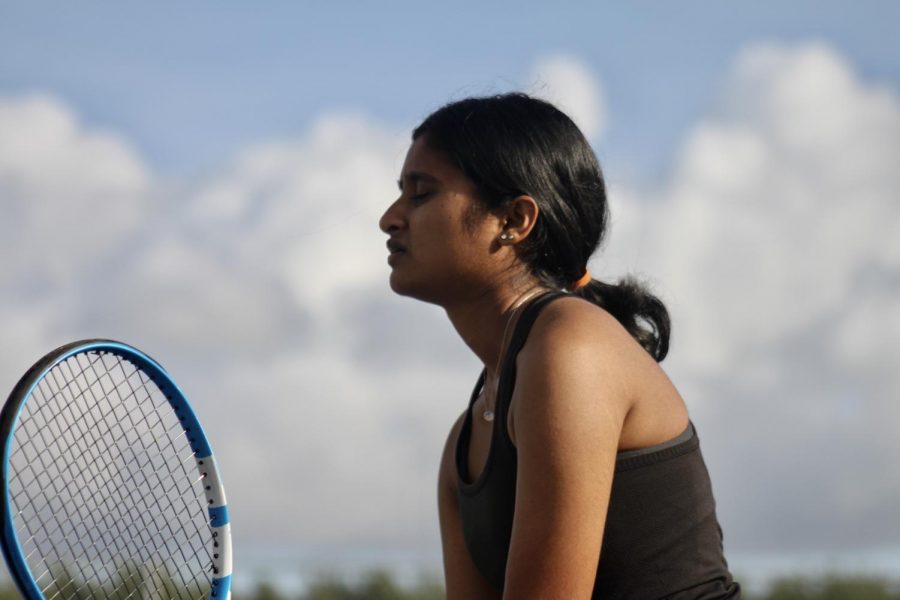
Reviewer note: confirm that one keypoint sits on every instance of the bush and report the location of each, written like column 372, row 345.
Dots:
column 380, row 585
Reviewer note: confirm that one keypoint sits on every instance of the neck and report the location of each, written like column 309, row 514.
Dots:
column 482, row 323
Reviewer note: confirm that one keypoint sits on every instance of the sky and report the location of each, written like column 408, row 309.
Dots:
column 204, row 181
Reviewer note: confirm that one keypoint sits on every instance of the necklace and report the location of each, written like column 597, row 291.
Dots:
column 488, row 414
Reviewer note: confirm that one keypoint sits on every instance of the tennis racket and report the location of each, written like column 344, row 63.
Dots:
column 109, row 486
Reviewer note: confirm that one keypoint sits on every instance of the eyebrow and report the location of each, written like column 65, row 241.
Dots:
column 416, row 176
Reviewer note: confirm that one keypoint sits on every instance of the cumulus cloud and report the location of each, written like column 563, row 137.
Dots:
column 570, row 84
column 70, row 197
column 262, row 287
column 69, row 194
column 776, row 241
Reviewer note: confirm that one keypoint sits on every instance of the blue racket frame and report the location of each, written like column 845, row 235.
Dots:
column 215, row 495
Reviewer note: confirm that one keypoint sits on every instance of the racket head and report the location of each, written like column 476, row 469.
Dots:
column 135, row 382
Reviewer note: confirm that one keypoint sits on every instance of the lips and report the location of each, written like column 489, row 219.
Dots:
column 394, row 246
column 396, row 250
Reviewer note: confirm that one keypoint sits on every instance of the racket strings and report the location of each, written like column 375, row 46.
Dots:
column 109, row 521
column 106, row 488
column 131, row 477
column 160, row 530
column 80, row 506
column 145, row 451
column 107, row 524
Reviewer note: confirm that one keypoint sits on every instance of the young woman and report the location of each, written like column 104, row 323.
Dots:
column 575, row 471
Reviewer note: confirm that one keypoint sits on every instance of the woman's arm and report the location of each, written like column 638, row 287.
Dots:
column 461, row 577
column 569, row 406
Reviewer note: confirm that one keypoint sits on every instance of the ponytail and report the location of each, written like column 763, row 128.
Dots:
column 641, row 313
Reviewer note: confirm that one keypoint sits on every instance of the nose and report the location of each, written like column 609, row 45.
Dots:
column 392, row 219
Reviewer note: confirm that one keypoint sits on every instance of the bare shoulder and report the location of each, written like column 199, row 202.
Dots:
column 572, row 320
column 576, row 353
column 577, row 340
column 580, row 357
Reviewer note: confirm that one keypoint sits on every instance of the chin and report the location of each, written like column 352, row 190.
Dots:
column 404, row 287
column 400, row 285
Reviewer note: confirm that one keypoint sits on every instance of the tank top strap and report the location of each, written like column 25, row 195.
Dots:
column 517, row 342
column 476, row 391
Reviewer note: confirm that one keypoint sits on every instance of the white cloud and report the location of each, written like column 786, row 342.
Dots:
column 775, row 221
column 332, row 434
column 776, row 242
column 569, row 84
column 44, row 149
column 68, row 194
column 263, row 288
column 306, row 211
column 254, row 287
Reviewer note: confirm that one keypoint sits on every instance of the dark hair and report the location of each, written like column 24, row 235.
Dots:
column 511, row 145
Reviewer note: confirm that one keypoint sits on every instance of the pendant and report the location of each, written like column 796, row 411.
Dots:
column 488, row 415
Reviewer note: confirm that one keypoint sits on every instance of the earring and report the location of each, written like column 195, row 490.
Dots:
column 507, row 236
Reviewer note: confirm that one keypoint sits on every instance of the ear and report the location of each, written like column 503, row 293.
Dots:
column 518, row 219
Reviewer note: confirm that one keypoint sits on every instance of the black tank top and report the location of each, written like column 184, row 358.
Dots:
column 661, row 538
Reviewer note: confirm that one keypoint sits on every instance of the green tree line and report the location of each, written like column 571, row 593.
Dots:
column 379, row 585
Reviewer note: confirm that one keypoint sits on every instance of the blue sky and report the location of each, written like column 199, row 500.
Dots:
column 192, row 83
column 204, row 182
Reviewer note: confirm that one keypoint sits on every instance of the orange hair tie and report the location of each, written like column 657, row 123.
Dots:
column 583, row 281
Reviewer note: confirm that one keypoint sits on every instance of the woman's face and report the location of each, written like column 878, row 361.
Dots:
column 441, row 242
